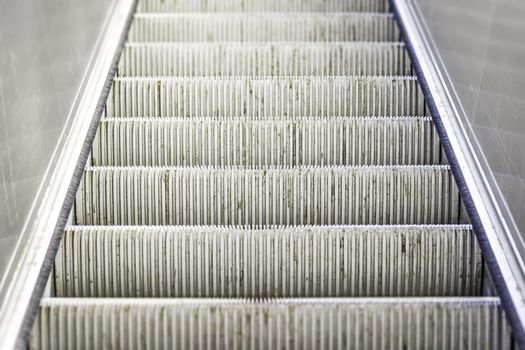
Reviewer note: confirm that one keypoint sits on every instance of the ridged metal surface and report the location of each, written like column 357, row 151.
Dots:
column 267, row 196
column 310, row 261
column 263, row 6
column 260, row 149
column 266, row 141
column 264, row 59
column 467, row 323
column 261, row 27
column 268, row 97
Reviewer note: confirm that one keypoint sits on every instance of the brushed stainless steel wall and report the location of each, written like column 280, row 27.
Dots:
column 482, row 46
column 45, row 48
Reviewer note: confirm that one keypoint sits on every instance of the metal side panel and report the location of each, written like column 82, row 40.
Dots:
column 42, row 71
column 21, row 293
column 267, row 196
column 264, row 59
column 263, row 6
column 266, row 141
column 449, row 323
column 499, row 239
column 268, row 97
column 245, row 261
column 263, row 27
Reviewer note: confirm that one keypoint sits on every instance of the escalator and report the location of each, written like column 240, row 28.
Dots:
column 266, row 174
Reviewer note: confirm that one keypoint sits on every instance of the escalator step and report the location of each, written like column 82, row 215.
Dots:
column 275, row 261
column 264, row 59
column 449, row 323
column 265, row 97
column 266, row 141
column 267, row 196
column 263, row 6
column 257, row 27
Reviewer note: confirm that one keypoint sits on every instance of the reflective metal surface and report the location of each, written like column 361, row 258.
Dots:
column 474, row 84
column 56, row 100
column 482, row 45
column 45, row 49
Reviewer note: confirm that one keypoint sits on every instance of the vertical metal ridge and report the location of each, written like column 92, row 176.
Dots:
column 328, row 195
column 263, row 27
column 263, row 6
column 268, row 262
column 262, row 142
column 264, row 59
column 242, row 96
column 188, row 324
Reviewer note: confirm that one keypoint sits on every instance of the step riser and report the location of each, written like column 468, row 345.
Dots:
column 316, row 97
column 241, row 141
column 263, row 27
column 221, row 325
column 277, row 262
column 263, row 6
column 264, row 60
column 200, row 196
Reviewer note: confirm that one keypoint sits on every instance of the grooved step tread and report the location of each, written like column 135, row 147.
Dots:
column 266, row 141
column 261, row 27
column 275, row 261
column 272, row 195
column 187, row 97
column 263, row 6
column 264, row 59
column 433, row 323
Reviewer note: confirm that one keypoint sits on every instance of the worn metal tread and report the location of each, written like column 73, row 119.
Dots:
column 382, row 323
column 265, row 96
column 263, row 6
column 206, row 27
column 268, row 195
column 266, row 141
column 264, row 59
column 275, row 261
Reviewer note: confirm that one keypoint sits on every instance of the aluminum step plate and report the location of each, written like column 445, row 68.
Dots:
column 260, row 27
column 266, row 141
column 264, row 59
column 267, row 196
column 454, row 323
column 263, row 6
column 299, row 261
column 265, row 97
